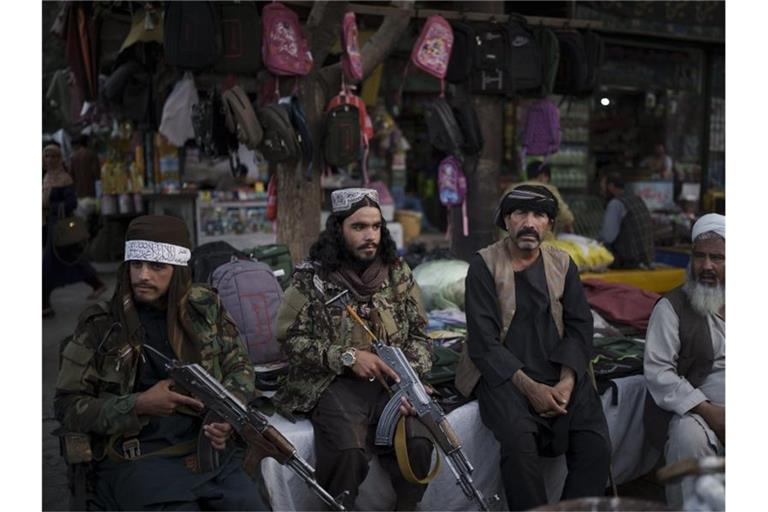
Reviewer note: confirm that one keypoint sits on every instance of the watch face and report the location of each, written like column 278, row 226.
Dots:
column 348, row 358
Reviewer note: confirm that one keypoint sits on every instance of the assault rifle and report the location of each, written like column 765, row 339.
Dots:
column 263, row 439
column 429, row 412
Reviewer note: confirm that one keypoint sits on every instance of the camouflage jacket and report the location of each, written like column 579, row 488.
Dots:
column 313, row 336
column 94, row 390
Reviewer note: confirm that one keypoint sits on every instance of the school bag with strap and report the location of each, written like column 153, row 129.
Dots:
column 452, row 187
column 466, row 116
column 284, row 48
column 241, row 118
column 280, row 142
column 614, row 358
column 444, row 132
column 303, row 134
column 524, row 57
column 209, row 123
column 241, row 38
column 251, row 294
column 192, row 34
column 572, row 70
column 208, row 257
column 462, row 54
column 550, row 58
column 432, row 50
column 491, row 74
column 346, row 138
column 278, row 257
column 594, row 48
column 351, row 62
column 542, row 129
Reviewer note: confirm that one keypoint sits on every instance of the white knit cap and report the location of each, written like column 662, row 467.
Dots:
column 709, row 222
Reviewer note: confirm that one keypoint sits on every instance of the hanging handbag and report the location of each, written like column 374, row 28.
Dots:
column 69, row 230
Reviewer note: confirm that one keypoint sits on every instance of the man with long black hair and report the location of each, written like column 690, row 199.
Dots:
column 334, row 375
column 146, row 437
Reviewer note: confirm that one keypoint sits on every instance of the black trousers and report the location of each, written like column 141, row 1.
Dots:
column 582, row 435
column 344, row 422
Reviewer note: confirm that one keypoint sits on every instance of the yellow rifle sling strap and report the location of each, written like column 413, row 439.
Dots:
column 401, row 451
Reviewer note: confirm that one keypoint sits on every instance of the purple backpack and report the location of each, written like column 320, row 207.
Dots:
column 284, row 48
column 252, row 295
column 452, row 187
column 542, row 129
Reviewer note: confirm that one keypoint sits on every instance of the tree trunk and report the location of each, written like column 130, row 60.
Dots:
column 483, row 178
column 300, row 200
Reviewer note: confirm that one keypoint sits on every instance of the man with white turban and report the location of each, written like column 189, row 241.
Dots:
column 684, row 362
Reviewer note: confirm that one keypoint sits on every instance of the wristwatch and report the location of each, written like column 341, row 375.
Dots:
column 349, row 357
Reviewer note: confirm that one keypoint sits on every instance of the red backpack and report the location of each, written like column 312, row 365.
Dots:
column 336, row 143
column 351, row 63
column 284, row 47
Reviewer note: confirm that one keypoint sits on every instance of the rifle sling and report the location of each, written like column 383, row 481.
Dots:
column 401, row 452
column 177, row 449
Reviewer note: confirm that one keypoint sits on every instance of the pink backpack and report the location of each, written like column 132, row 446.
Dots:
column 351, row 62
column 432, row 50
column 452, row 187
column 542, row 129
column 284, row 48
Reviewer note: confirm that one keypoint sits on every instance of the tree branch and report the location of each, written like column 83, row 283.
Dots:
column 323, row 27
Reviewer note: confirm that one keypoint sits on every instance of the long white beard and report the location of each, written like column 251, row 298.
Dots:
column 705, row 300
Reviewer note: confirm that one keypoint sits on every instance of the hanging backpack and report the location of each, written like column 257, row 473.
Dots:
column 466, row 117
column 284, row 48
column 251, row 294
column 351, row 62
column 444, row 132
column 192, row 34
column 572, row 70
column 347, row 139
column 491, row 74
column 524, row 56
column 452, row 187
column 210, row 125
column 432, row 50
column 280, row 142
column 241, row 38
column 542, row 129
column 594, row 48
column 550, row 58
column 208, row 257
column 303, row 134
column 241, row 118
column 462, row 54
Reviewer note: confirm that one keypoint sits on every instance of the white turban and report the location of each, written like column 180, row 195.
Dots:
column 709, row 222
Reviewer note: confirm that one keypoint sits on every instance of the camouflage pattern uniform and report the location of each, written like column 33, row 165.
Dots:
column 96, row 393
column 94, row 390
column 314, row 336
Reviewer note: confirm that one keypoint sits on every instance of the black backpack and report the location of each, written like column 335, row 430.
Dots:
column 192, row 34
column 444, row 131
column 341, row 144
column 550, row 58
column 241, row 38
column 208, row 257
column 210, row 125
column 524, row 55
column 490, row 74
column 614, row 358
column 594, row 47
column 280, row 142
column 572, row 71
column 462, row 53
column 299, row 122
column 466, row 116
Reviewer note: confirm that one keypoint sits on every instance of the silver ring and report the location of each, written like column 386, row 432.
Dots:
column 373, row 378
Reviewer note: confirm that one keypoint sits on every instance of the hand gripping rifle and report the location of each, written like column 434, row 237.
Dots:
column 429, row 412
column 263, row 439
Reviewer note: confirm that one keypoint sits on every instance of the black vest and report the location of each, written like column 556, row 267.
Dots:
column 634, row 245
column 694, row 362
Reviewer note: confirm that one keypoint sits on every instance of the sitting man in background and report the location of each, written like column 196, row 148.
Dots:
column 684, row 362
column 334, row 375
column 627, row 229
column 529, row 340
column 144, row 435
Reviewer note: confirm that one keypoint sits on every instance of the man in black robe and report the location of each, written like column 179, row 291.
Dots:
column 530, row 337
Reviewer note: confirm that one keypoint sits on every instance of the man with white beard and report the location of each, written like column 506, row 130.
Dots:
column 684, row 362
